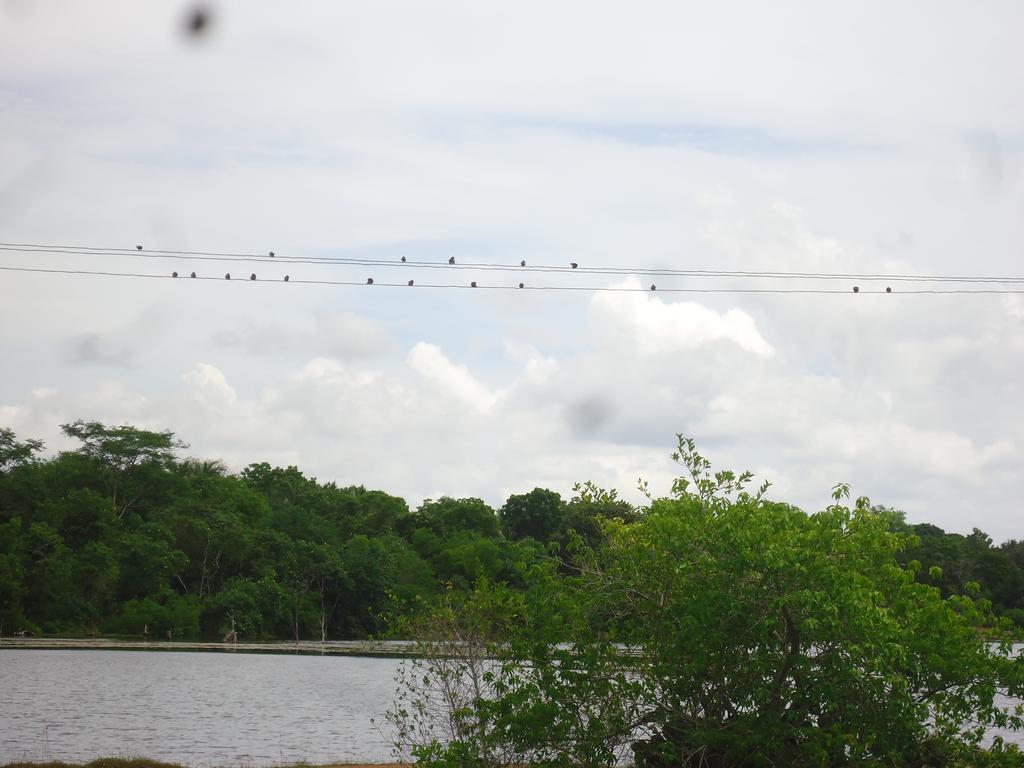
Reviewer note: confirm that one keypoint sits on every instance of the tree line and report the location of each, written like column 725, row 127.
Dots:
column 125, row 536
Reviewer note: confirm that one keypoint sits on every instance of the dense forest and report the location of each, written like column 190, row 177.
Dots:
column 124, row 536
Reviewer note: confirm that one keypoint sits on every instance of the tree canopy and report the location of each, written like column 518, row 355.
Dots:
column 709, row 624
column 718, row 629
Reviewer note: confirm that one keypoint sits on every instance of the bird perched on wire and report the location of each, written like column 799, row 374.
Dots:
column 193, row 274
column 174, row 274
column 521, row 285
column 369, row 281
column 473, row 284
column 410, row 282
column 252, row 276
column 227, row 275
column 286, row 278
column 271, row 254
column 403, row 259
column 138, row 247
column 573, row 264
column 654, row 287
column 856, row 289
column 451, row 259
column 522, row 263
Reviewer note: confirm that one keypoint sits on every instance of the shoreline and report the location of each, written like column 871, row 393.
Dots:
column 376, row 648
column 141, row 762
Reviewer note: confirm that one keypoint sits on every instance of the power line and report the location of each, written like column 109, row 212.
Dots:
column 457, row 286
column 139, row 252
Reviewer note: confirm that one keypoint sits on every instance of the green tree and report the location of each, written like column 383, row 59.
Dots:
column 723, row 629
column 330, row 584
column 467, row 556
column 97, row 573
column 121, row 451
column 169, row 617
column 14, row 453
column 539, row 514
column 448, row 516
column 245, row 608
column 149, row 561
column 12, row 577
column 51, row 601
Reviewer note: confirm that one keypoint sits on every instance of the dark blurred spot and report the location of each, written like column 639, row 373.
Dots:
column 197, row 21
column 588, row 416
column 91, row 349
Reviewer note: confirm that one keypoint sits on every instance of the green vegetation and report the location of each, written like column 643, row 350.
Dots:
column 710, row 627
column 719, row 629
column 139, row 762
column 123, row 536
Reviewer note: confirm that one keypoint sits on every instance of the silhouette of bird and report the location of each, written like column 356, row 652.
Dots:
column 252, row 276
column 227, row 275
column 286, row 278
column 174, row 274
column 271, row 254
column 856, row 289
column 410, row 282
column 522, row 263
column 473, row 284
column 888, row 289
column 369, row 281
column 138, row 247
column 520, row 285
column 451, row 259
column 403, row 259
column 654, row 287
column 193, row 274
column 573, row 264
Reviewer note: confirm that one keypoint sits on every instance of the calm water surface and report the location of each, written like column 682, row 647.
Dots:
column 201, row 709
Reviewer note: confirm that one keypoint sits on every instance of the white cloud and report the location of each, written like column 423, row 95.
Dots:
column 657, row 327
column 209, row 387
column 452, row 381
column 494, row 135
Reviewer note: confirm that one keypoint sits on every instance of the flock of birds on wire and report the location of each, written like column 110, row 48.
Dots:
column 403, row 260
column 910, row 283
column 451, row 260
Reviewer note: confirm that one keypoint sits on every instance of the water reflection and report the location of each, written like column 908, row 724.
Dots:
column 201, row 709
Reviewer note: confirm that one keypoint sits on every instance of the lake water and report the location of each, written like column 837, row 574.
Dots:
column 200, row 709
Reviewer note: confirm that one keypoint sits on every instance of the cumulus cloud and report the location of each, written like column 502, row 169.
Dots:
column 657, row 327
column 209, row 388
column 337, row 133
column 422, row 425
column 452, row 381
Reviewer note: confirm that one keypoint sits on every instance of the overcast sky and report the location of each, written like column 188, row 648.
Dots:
column 840, row 137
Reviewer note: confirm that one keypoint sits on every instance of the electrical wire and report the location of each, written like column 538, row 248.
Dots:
column 456, row 286
column 492, row 267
